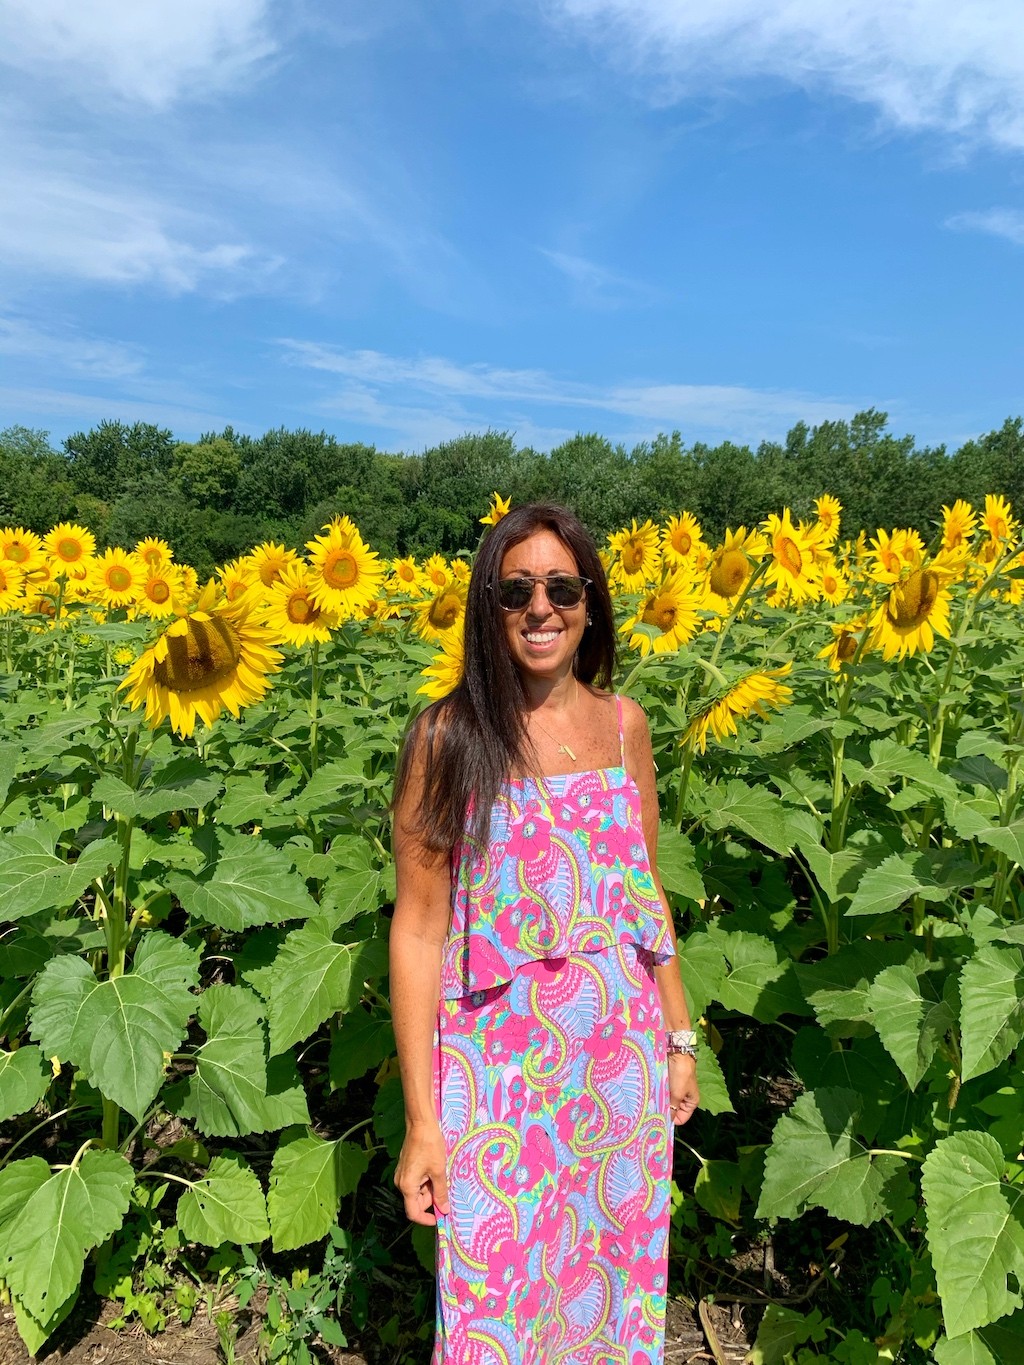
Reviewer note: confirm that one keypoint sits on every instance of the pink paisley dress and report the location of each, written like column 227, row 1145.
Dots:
column 551, row 1084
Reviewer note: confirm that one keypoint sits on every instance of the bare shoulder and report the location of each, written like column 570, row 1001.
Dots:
column 635, row 728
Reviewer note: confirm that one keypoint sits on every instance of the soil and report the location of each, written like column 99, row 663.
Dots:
column 86, row 1340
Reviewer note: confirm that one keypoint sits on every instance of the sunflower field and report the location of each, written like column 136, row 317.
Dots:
column 197, row 1082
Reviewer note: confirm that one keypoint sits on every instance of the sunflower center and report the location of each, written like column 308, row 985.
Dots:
column 406, row 574
column 206, row 653
column 301, row 610
column 633, row 556
column 891, row 562
column 340, row 569
column 998, row 528
column 846, row 647
column 910, row 603
column 445, row 611
column 17, row 552
column 662, row 613
column 270, row 571
column 69, row 549
column 153, row 558
column 729, row 572
column 235, row 590
column 682, row 541
column 787, row 552
column 119, row 579
column 159, row 591
column 830, row 583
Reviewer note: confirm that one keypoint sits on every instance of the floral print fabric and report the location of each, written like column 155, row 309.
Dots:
column 551, row 1086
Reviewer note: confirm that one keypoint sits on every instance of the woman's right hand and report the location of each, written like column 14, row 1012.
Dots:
column 420, row 1174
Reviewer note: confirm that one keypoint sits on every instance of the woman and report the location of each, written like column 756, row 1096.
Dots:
column 534, row 984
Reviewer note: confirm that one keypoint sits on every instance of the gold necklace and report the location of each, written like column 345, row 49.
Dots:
column 562, row 748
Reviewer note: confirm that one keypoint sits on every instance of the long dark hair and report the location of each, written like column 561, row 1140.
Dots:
column 474, row 738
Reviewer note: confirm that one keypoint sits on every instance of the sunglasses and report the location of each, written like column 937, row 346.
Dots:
column 563, row 590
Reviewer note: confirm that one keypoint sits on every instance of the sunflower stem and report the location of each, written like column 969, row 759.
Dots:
column 684, row 780
column 748, row 587
column 314, row 707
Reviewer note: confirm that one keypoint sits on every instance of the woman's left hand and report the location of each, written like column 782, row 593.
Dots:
column 683, row 1093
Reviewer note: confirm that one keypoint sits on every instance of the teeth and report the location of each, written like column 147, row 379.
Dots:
column 541, row 637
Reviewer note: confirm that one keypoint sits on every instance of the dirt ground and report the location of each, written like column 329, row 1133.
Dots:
column 722, row 1340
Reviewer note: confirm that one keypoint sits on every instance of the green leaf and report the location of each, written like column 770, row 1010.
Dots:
column 231, row 1093
column 714, row 1093
column 980, row 820
column 320, row 793
column 781, row 1331
column 753, row 810
column 183, row 784
column 360, row 1042
column 718, row 1189
column 18, row 1182
column 837, row 986
column 389, row 1116
column 816, row 1161
column 250, row 883
column 46, row 1243
column 893, row 763
column 702, row 966
column 34, row 878
column 350, row 893
column 24, row 1080
column 836, row 873
column 313, row 977
column 677, row 864
column 975, row 1230
column 909, row 1026
column 245, row 800
column 118, row 1030
column 760, row 980
column 934, row 876
column 991, row 1008
column 226, row 1206
column 997, row 1344
column 308, row 1180
column 35, row 1333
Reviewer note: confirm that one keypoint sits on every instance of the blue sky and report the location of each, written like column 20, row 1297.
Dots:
column 408, row 220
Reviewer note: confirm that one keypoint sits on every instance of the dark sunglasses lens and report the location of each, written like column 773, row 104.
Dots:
column 565, row 592
column 514, row 593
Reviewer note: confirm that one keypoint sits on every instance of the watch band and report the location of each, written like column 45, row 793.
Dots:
column 681, row 1040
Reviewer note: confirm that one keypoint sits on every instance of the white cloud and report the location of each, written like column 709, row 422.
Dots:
column 153, row 51
column 594, row 285
column 939, row 64
column 1008, row 223
column 45, row 406
column 441, row 398
column 68, row 350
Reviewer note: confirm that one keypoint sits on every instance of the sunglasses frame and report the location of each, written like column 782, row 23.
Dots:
column 533, row 579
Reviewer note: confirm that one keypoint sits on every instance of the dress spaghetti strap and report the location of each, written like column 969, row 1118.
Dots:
column 622, row 737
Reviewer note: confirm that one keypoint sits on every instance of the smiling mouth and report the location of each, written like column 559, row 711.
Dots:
column 541, row 637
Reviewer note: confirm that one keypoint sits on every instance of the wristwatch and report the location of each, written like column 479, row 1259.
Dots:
column 681, row 1040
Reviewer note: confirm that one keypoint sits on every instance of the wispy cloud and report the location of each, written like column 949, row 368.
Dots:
column 65, row 409
column 441, row 397
column 924, row 64
column 68, row 350
column 151, row 51
column 595, row 286
column 1007, row 223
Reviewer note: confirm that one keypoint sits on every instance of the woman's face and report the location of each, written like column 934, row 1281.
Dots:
column 542, row 639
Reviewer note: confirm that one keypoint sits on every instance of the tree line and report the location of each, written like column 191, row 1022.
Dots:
column 215, row 498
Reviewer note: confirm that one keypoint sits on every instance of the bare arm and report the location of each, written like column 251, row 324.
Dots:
column 683, row 1090
column 418, row 931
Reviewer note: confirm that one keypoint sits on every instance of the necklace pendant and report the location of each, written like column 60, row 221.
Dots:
column 564, row 749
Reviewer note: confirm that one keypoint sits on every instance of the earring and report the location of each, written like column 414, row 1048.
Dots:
column 590, row 619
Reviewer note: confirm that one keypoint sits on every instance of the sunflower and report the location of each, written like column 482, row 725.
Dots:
column 269, row 560
column 916, row 608
column 959, row 524
column 236, row 578
column 681, row 540
column 845, row 643
column 793, row 570
column 669, row 616
column 499, row 508
column 997, row 518
column 213, row 658
column 347, row 574
column 730, row 566
column 22, row 548
column 70, row 546
column 636, row 555
column 436, row 573
column 753, row 693
column 835, row 586
column 889, row 555
column 123, row 656
column 290, row 612
column 444, row 672
column 461, row 571
column 442, row 612
column 11, row 582
column 155, row 553
column 116, row 578
column 405, row 577
column 159, row 593
column 829, row 510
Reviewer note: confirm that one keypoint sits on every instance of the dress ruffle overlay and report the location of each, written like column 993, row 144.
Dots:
column 551, row 1085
